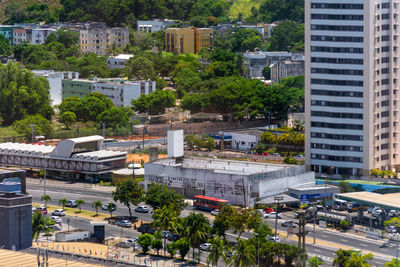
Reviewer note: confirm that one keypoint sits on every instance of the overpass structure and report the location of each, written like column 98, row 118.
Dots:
column 82, row 156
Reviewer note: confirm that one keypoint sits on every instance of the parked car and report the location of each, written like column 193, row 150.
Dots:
column 391, row 229
column 105, row 207
column 72, row 204
column 371, row 209
column 261, row 212
column 272, row 215
column 42, row 210
column 205, row 246
column 165, row 233
column 264, row 154
column 136, row 247
column 376, row 212
column 215, row 212
column 132, row 241
column 295, row 215
column 124, row 244
column 354, row 206
column 272, row 238
column 145, row 228
column 299, row 156
column 33, row 209
column 125, row 223
column 275, row 155
column 289, row 223
column 269, row 210
column 58, row 212
column 393, row 213
column 56, row 219
column 142, row 209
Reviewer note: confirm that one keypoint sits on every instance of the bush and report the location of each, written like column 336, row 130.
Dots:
column 290, row 160
column 157, row 245
column 145, row 242
column 171, row 248
column 183, row 246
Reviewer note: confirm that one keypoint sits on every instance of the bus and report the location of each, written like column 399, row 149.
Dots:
column 208, row 203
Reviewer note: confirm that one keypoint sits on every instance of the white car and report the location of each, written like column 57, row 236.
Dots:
column 132, row 241
column 215, row 212
column 72, row 204
column 142, row 209
column 272, row 238
column 56, row 219
column 205, row 246
column 261, row 212
column 275, row 155
column 299, row 156
column 58, row 212
column 272, row 215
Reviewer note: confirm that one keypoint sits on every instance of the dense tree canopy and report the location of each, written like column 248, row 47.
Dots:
column 154, row 103
column 287, row 36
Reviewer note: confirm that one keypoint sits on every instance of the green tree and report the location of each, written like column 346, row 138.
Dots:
column 5, row 48
column 183, row 246
column 92, row 65
column 128, row 193
column 97, row 204
column 192, row 102
column 393, row 263
column 72, row 104
column 217, row 251
column 80, row 202
column 41, row 126
column 171, row 248
column 156, row 243
column 110, row 207
column 145, row 242
column 41, row 224
column 68, row 118
column 113, row 49
column 196, row 228
column 223, row 220
column 239, row 220
column 165, row 220
column 158, row 196
column 287, row 36
column 245, row 254
column 204, row 8
column 281, row 10
column 63, row 202
column 315, row 261
column 46, row 199
column 139, row 68
column 351, row 258
column 93, row 105
column 345, row 187
column 114, row 117
column 155, row 102
column 266, row 72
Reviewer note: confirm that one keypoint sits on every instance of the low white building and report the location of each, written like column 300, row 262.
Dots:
column 39, row 35
column 241, row 183
column 246, row 139
column 55, row 82
column 118, row 62
column 154, row 25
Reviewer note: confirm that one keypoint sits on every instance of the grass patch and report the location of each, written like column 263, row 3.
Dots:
column 75, row 212
column 8, row 131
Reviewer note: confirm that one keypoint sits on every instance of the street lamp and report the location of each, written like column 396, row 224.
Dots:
column 277, row 199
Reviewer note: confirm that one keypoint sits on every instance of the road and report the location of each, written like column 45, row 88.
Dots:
column 379, row 247
column 136, row 143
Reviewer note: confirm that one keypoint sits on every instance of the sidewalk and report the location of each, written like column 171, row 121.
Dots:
column 69, row 184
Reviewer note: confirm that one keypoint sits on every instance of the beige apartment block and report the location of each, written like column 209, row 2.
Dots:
column 188, row 40
column 351, row 85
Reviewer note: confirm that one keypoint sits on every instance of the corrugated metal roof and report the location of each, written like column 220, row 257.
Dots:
column 86, row 139
column 20, row 148
column 98, row 155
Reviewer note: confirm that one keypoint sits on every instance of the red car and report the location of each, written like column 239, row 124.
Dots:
column 42, row 210
column 269, row 210
column 264, row 154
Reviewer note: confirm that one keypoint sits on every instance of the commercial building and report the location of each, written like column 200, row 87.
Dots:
column 76, row 158
column 55, row 82
column 16, row 221
column 284, row 69
column 242, row 183
column 118, row 62
column 351, row 86
column 188, row 40
column 313, row 193
column 244, row 139
column 154, row 25
column 119, row 91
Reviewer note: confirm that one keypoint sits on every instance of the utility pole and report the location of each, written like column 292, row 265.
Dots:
column 301, row 245
column 277, row 199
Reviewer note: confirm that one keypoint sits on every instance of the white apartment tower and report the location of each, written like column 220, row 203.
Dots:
column 352, row 79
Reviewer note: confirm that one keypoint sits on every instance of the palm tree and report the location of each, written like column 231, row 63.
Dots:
column 110, row 207
column 165, row 219
column 196, row 229
column 393, row 263
column 217, row 251
column 113, row 49
column 45, row 198
column 245, row 254
column 63, row 202
column 41, row 224
column 316, row 262
column 345, row 257
column 96, row 204
column 80, row 202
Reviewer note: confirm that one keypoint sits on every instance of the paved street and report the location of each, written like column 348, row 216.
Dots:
column 382, row 250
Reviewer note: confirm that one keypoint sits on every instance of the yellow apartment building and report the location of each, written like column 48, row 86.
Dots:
column 188, row 39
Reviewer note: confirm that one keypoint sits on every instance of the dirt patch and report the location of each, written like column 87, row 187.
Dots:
column 137, row 158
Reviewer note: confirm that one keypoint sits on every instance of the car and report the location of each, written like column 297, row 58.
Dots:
column 273, row 239
column 261, row 212
column 72, row 204
column 272, row 215
column 205, row 246
column 142, row 209
column 173, row 237
column 125, row 223
column 295, row 215
column 320, row 207
column 56, row 219
column 215, row 212
column 354, row 206
column 289, row 224
column 124, row 244
column 377, row 212
column 371, row 209
column 42, row 210
column 393, row 213
column 105, row 207
column 275, row 155
column 299, row 156
column 269, row 210
column 136, row 246
column 33, row 209
column 391, row 229
column 165, row 233
column 144, row 228
column 58, row 212
column 264, row 154
column 132, row 241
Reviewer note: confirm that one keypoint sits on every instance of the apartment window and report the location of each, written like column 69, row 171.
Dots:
column 385, row 157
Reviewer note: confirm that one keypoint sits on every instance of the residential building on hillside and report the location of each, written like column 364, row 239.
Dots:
column 118, row 62
column 154, row 25
column 39, row 35
column 283, row 69
column 188, row 40
column 119, row 91
column 351, row 86
column 7, row 32
column 55, row 82
column 20, row 36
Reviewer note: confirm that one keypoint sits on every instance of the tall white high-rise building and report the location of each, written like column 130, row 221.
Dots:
column 352, row 77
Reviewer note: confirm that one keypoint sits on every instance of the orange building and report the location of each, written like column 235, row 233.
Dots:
column 188, row 39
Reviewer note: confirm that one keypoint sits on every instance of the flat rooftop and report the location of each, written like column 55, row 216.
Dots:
column 313, row 187
column 387, row 201
column 224, row 166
